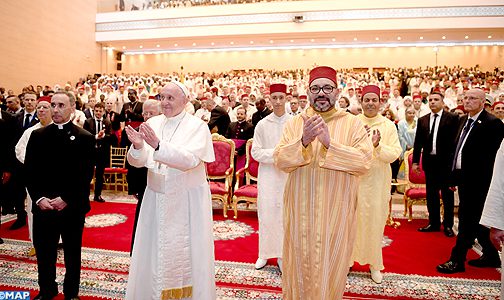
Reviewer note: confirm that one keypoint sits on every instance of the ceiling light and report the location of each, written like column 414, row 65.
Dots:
column 157, row 45
column 251, row 42
column 443, row 37
column 421, row 37
column 194, row 44
column 176, row 45
column 489, row 36
column 355, row 39
column 312, row 40
column 292, row 41
column 271, row 41
column 377, row 38
column 141, row 47
column 212, row 43
column 232, row 43
column 334, row 40
column 398, row 38
column 466, row 37
column 124, row 47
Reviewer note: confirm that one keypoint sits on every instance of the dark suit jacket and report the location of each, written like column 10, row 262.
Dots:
column 240, row 131
column 8, row 139
column 114, row 119
column 445, row 143
column 102, row 145
column 87, row 112
column 220, row 118
column 478, row 153
column 259, row 115
column 60, row 162
column 20, row 121
column 136, row 112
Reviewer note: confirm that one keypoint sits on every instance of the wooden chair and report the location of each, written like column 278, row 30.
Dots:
column 248, row 192
column 221, row 169
column 117, row 171
column 415, row 190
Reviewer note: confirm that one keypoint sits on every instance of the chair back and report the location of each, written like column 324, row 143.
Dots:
column 412, row 176
column 252, row 165
column 118, row 157
column 224, row 150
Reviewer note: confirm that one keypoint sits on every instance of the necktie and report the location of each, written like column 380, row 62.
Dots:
column 461, row 140
column 433, row 129
column 98, row 126
column 27, row 121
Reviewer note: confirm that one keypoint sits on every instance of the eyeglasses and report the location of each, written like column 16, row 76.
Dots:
column 327, row 89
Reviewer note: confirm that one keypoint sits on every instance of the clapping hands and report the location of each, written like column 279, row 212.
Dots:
column 145, row 133
column 315, row 127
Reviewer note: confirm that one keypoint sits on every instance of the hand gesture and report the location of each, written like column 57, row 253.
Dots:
column 5, row 177
column 149, row 135
column 57, row 203
column 324, row 137
column 415, row 168
column 376, row 138
column 497, row 237
column 101, row 134
column 45, row 204
column 134, row 137
column 311, row 128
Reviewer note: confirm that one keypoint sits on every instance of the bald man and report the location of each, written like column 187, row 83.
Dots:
column 173, row 254
column 479, row 137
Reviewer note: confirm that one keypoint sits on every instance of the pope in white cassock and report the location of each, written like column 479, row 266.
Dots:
column 271, row 180
column 173, row 254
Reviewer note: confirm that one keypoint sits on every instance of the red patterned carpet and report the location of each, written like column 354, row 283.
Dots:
column 410, row 258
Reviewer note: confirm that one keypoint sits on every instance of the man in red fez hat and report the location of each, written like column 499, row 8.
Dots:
column 271, row 180
column 374, row 189
column 324, row 150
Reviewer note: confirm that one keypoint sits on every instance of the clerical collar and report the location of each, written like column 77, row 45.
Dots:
column 177, row 117
column 62, row 125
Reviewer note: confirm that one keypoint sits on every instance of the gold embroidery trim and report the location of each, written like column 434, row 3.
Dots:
column 177, row 293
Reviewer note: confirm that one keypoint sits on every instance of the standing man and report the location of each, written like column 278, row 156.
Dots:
column 131, row 112
column 173, row 255
column 219, row 118
column 472, row 169
column 261, row 113
column 435, row 135
column 374, row 188
column 8, row 133
column 100, row 128
column 493, row 212
column 60, row 198
column 271, row 180
column 241, row 130
column 324, row 151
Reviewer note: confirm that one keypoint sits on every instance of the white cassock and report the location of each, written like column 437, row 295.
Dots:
column 270, row 185
column 493, row 212
column 173, row 254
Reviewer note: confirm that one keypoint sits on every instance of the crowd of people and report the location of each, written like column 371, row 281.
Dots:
column 164, row 4
column 330, row 141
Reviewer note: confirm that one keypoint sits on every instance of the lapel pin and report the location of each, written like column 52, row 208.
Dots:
column 72, row 137
column 479, row 121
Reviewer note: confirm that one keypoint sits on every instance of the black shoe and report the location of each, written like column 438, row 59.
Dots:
column 18, row 224
column 8, row 212
column 1, row 241
column 449, row 232
column 41, row 296
column 485, row 262
column 451, row 267
column 429, row 228
column 72, row 298
column 99, row 199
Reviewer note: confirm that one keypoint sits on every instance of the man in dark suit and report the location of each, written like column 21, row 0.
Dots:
column 100, row 128
column 241, row 130
column 89, row 111
column 59, row 168
column 435, row 134
column 7, row 157
column 26, row 118
column 219, row 118
column 479, row 138
column 131, row 112
column 261, row 113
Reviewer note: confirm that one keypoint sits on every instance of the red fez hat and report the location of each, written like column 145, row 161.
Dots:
column 417, row 96
column 461, row 107
column 278, row 88
column 358, row 90
column 45, row 98
column 385, row 92
column 244, row 95
column 152, row 97
column 203, row 99
column 303, row 97
column 214, row 89
column 371, row 89
column 351, row 89
column 81, row 87
column 497, row 103
column 323, row 72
